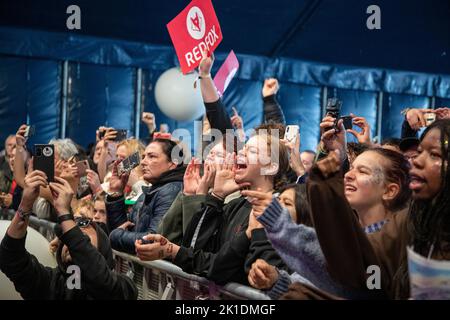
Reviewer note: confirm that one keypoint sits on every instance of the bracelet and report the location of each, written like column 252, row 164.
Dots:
column 65, row 217
column 208, row 76
column 22, row 214
column 217, row 196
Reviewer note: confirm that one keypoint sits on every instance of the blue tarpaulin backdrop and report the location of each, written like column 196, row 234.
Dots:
column 102, row 87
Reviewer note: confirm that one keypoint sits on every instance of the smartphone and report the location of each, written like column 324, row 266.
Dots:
column 348, row 122
column 82, row 166
column 121, row 134
column 30, row 131
column 291, row 133
column 333, row 109
column 44, row 160
column 129, row 163
column 430, row 117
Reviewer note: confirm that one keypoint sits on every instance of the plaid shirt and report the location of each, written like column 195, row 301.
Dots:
column 375, row 227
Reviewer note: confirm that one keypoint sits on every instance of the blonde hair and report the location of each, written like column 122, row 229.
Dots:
column 84, row 204
column 132, row 145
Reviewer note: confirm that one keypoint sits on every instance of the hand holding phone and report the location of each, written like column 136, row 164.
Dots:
column 82, row 166
column 121, row 135
column 348, row 122
column 129, row 164
column 430, row 117
column 29, row 131
column 291, row 133
column 333, row 109
column 44, row 160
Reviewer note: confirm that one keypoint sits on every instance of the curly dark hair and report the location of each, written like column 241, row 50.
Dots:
column 429, row 220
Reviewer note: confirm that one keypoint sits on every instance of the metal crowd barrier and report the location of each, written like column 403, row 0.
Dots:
column 44, row 227
column 160, row 279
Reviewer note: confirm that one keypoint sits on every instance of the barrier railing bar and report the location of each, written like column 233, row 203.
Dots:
column 233, row 290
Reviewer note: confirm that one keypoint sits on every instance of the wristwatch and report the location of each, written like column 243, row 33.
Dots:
column 65, row 217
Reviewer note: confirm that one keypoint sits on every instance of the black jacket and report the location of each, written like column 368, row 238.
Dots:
column 147, row 212
column 222, row 252
column 219, row 119
column 407, row 131
column 272, row 110
column 35, row 281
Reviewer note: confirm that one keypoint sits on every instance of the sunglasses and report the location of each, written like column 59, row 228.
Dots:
column 83, row 222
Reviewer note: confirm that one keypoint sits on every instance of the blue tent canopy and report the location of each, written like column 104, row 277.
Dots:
column 317, row 49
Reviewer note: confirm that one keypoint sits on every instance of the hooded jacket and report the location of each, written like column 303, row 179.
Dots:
column 146, row 213
column 35, row 281
column 222, row 252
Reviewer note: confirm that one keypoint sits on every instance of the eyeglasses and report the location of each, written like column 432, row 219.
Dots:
column 83, row 222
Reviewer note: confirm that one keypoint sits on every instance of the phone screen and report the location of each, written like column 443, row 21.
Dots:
column 291, row 133
column 348, row 122
column 30, row 131
column 121, row 135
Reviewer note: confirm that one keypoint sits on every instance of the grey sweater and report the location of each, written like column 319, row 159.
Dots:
column 299, row 248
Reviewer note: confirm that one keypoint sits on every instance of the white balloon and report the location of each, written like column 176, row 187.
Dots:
column 36, row 245
column 177, row 97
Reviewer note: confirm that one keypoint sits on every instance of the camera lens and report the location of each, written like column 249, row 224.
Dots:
column 38, row 152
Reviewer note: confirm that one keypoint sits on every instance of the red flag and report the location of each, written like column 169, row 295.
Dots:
column 226, row 72
column 193, row 30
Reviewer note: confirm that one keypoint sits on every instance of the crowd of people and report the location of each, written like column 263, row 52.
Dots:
column 254, row 210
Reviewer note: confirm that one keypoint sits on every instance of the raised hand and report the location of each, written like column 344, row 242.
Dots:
column 62, row 195
column 364, row 136
column 236, row 120
column 295, row 162
column 260, row 200
column 443, row 113
column 69, row 172
column 149, row 119
column 238, row 124
column 93, row 181
column 416, row 118
column 207, row 180
column 117, row 183
column 34, row 180
column 270, row 87
column 331, row 139
column 20, row 136
column 224, row 183
column 262, row 275
column 191, row 179
column 252, row 224
column 204, row 68
column 6, row 200
column 110, row 134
